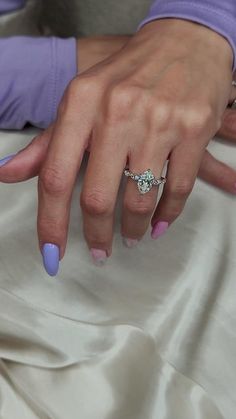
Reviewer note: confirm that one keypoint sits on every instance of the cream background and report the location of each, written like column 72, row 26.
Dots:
column 152, row 335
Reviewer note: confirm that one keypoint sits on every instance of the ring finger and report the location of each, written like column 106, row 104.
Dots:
column 137, row 207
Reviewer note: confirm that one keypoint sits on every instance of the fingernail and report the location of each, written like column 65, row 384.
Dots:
column 130, row 243
column 6, row 159
column 159, row 229
column 99, row 256
column 51, row 254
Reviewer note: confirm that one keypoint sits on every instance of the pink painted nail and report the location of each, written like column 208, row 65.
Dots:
column 99, row 256
column 130, row 242
column 159, row 229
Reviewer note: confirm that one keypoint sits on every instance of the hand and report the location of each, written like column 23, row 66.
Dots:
column 92, row 50
column 138, row 118
column 27, row 163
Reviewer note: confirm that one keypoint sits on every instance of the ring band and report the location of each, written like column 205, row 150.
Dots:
column 145, row 180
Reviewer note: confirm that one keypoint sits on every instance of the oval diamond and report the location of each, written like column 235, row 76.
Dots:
column 145, row 181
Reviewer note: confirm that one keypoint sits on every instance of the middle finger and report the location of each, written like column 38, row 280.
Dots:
column 106, row 163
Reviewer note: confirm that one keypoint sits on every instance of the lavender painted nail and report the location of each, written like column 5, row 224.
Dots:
column 51, row 254
column 6, row 159
column 159, row 229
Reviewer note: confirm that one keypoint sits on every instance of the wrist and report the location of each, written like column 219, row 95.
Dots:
column 92, row 50
column 184, row 32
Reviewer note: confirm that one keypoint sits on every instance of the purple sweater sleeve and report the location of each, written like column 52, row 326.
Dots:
column 10, row 5
column 219, row 15
column 34, row 73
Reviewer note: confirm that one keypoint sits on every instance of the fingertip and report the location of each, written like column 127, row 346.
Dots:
column 7, row 159
column 159, row 228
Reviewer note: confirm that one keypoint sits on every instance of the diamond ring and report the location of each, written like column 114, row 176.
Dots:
column 145, row 181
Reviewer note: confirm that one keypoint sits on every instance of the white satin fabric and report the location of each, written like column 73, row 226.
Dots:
column 151, row 335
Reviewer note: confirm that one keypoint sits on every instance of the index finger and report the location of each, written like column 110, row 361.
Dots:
column 57, row 178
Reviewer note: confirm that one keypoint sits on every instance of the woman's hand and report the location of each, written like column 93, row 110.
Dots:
column 161, row 96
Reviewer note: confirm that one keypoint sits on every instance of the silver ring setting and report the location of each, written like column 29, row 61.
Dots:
column 145, row 181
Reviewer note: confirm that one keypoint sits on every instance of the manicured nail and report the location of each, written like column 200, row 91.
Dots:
column 130, row 243
column 159, row 229
column 5, row 160
column 51, row 255
column 99, row 256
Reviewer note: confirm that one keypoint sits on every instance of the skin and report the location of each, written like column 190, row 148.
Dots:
column 139, row 119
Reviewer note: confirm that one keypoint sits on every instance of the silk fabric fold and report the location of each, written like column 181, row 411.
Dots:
column 150, row 335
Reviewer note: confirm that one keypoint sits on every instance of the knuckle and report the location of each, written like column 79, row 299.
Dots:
column 94, row 203
column 82, row 85
column 161, row 113
column 197, row 121
column 73, row 90
column 80, row 88
column 163, row 110
column 121, row 100
column 53, row 181
column 143, row 208
column 180, row 189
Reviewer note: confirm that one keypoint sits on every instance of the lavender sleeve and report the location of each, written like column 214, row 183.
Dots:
column 219, row 15
column 10, row 5
column 34, row 73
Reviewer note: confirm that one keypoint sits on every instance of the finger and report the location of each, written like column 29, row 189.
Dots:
column 26, row 163
column 56, row 182
column 217, row 173
column 100, row 188
column 58, row 174
column 228, row 127
column 138, row 208
column 181, row 174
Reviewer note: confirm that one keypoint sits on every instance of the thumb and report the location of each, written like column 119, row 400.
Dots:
column 26, row 163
